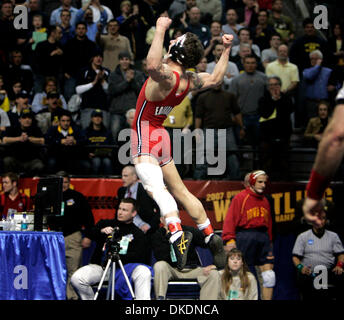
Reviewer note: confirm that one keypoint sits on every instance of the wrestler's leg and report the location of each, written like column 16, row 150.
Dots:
column 195, row 209
column 151, row 176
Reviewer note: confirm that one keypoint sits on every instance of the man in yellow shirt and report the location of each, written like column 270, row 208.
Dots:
column 180, row 119
column 286, row 71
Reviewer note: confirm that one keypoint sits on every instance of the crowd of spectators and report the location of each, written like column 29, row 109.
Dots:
column 68, row 80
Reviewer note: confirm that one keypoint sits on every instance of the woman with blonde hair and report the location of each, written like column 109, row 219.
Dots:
column 237, row 282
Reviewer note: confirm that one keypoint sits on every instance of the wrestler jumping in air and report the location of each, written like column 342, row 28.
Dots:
column 167, row 85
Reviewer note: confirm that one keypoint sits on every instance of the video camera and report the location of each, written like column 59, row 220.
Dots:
column 112, row 241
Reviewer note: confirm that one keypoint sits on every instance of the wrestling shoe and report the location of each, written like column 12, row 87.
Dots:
column 181, row 247
column 215, row 245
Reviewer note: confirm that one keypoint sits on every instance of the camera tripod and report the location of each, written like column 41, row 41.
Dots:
column 113, row 257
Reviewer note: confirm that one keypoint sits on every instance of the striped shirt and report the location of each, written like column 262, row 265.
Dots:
column 314, row 250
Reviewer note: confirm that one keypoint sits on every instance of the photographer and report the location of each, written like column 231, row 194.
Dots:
column 132, row 254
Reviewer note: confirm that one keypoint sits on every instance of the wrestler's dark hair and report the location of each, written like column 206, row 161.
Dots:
column 190, row 53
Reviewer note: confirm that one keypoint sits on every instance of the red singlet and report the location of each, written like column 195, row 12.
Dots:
column 149, row 137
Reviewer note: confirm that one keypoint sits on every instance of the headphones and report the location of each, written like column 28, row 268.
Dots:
column 177, row 51
column 254, row 175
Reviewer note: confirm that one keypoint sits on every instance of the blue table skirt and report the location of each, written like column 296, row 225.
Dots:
column 32, row 266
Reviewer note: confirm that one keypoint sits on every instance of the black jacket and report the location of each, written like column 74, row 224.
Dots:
column 279, row 127
column 77, row 214
column 77, row 55
column 148, row 209
column 137, row 249
column 96, row 97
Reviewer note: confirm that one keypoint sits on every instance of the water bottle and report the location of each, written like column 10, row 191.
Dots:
column 2, row 224
column 23, row 225
column 12, row 223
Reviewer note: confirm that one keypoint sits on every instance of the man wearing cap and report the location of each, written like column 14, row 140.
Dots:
column 97, row 135
column 48, row 116
column 65, row 146
column 92, row 85
column 23, row 152
column 125, row 84
column 248, row 226
column 22, row 99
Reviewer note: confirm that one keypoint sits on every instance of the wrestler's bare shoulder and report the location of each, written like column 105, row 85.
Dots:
column 196, row 80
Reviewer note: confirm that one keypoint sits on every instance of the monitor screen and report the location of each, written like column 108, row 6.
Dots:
column 48, row 201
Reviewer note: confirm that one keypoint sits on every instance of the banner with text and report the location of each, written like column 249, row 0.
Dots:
column 214, row 195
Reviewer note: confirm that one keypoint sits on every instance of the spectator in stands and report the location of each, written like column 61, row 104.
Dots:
column 316, row 125
column 275, row 109
column 66, row 147
column 319, row 247
column 133, row 257
column 76, row 226
column 77, row 54
column 8, row 34
column 245, row 37
column 232, row 69
column 244, row 51
column 215, row 31
column 126, row 11
column 39, row 32
column 4, row 121
column 177, row 8
column 217, row 109
column 11, row 200
column 14, row 88
column 97, row 135
column 55, row 16
column 248, row 227
column 195, row 26
column 262, row 31
column 68, row 31
column 249, row 87
column 22, row 99
column 130, row 116
column 4, row 99
column 23, row 152
column 248, row 15
column 237, row 282
column 148, row 213
column 85, row 14
column 136, row 26
column 35, row 7
column 336, row 45
column 40, row 99
column 232, row 27
column 48, row 58
column 165, row 268
column 97, row 9
column 285, row 70
column 315, row 84
column 302, row 46
column 49, row 116
column 177, row 124
column 112, row 44
column 92, row 85
column 270, row 55
column 17, row 71
column 125, row 83
column 211, row 10
column 280, row 22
